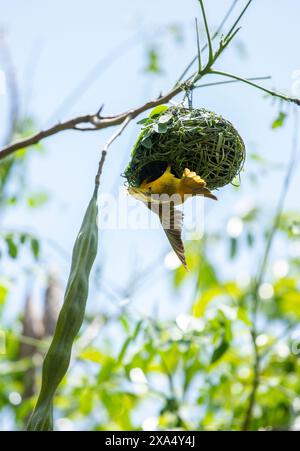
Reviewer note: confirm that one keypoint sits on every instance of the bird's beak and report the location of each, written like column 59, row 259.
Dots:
column 139, row 194
column 207, row 193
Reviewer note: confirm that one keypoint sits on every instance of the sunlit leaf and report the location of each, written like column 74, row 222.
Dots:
column 37, row 200
column 3, row 293
column 280, row 120
column 153, row 64
column 93, row 355
column 200, row 305
column 158, row 110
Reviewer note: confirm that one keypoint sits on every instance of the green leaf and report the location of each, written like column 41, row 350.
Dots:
column 37, row 200
column 158, row 110
column 180, row 275
column 258, row 158
column 129, row 340
column 206, row 297
column 207, row 275
column 86, row 400
column 3, row 293
column 11, row 200
column 153, row 65
column 233, row 247
column 11, row 247
column 137, row 329
column 165, row 118
column 92, row 355
column 147, row 143
column 125, row 323
column 219, row 351
column 23, row 238
column 123, row 349
column 35, row 247
column 250, row 239
column 243, row 315
column 145, row 121
column 251, row 215
column 160, row 128
column 279, row 121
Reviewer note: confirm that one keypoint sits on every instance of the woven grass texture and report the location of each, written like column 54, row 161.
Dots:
column 181, row 137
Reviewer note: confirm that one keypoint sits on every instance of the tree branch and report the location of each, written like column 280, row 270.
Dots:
column 95, row 122
column 74, row 124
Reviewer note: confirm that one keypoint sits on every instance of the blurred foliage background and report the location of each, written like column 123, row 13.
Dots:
column 228, row 360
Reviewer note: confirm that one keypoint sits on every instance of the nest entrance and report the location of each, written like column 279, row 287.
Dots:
column 183, row 138
column 151, row 171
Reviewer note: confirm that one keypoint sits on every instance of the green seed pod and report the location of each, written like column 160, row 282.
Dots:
column 70, row 319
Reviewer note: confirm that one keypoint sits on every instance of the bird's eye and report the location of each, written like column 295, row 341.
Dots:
column 149, row 189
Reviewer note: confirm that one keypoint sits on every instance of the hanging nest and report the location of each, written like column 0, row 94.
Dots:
column 196, row 139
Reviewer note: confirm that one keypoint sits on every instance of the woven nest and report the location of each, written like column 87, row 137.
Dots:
column 196, row 139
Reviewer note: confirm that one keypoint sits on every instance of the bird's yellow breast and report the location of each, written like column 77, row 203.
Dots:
column 166, row 184
column 190, row 184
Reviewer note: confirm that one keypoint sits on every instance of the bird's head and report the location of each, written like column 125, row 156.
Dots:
column 155, row 184
column 142, row 192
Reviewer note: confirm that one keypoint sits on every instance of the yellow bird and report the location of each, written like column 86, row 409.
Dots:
column 162, row 194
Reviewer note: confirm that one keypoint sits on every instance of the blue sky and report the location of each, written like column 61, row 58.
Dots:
column 55, row 44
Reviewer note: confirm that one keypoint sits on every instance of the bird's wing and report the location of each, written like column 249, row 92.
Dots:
column 171, row 221
column 192, row 183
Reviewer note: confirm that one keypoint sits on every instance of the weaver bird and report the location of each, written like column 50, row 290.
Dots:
column 163, row 194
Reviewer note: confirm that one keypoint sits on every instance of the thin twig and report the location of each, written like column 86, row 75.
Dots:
column 255, row 293
column 105, row 149
column 216, row 33
column 226, row 82
column 91, row 119
column 238, row 19
column 209, row 43
column 262, row 88
column 198, row 47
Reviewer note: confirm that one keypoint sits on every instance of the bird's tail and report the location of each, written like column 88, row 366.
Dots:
column 193, row 184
